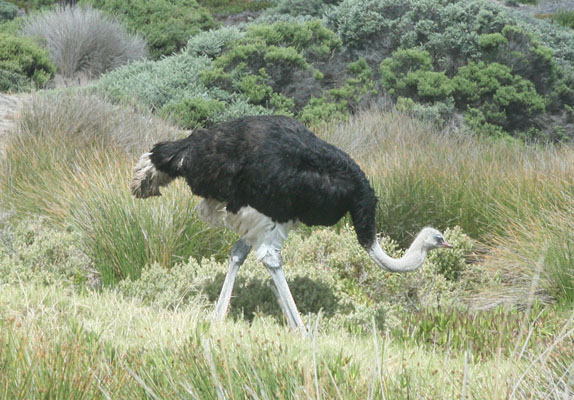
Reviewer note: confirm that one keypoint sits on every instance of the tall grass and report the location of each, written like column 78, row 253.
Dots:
column 425, row 177
column 71, row 160
column 57, row 344
column 539, row 248
column 82, row 40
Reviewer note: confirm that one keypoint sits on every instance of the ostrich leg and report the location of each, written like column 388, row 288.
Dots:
column 273, row 264
column 236, row 258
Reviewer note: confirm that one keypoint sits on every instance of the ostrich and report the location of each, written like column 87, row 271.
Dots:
column 261, row 176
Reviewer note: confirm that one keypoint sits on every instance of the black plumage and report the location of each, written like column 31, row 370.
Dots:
column 275, row 165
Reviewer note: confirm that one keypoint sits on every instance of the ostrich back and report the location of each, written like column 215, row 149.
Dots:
column 275, row 165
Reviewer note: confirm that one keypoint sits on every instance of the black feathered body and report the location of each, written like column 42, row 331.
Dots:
column 275, row 165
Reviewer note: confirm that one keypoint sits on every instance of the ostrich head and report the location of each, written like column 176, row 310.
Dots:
column 432, row 239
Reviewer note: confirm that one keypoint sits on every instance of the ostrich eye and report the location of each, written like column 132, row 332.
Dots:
column 439, row 238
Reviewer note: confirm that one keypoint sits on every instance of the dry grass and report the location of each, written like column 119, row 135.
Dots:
column 100, row 345
column 425, row 177
column 83, row 41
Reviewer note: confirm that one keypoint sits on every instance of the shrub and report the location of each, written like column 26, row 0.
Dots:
column 213, row 43
column 269, row 63
column 337, row 103
column 83, row 41
column 193, row 112
column 494, row 99
column 166, row 25
column 40, row 4
column 376, row 28
column 314, row 8
column 409, row 73
column 564, row 18
column 328, row 272
column 171, row 83
column 505, row 99
column 232, row 7
column 7, row 11
column 23, row 64
column 31, row 251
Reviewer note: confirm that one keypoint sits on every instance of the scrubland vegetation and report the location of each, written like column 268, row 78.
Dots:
column 459, row 112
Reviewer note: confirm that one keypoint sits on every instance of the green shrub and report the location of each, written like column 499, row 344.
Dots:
column 231, row 7
column 166, row 25
column 23, row 64
column 213, row 43
column 520, row 52
column 314, row 8
column 31, row 251
column 409, row 73
column 84, row 41
column 30, row 5
column 380, row 27
column 505, row 99
column 328, row 272
column 8, row 11
column 193, row 112
column 564, row 18
column 320, row 109
column 426, row 52
column 337, row 103
column 171, row 83
column 494, row 98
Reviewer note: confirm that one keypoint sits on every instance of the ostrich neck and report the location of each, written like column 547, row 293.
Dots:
column 413, row 258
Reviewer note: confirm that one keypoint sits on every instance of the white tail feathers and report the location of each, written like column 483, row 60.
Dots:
column 146, row 179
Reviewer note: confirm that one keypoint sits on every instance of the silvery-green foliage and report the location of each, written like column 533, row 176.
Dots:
column 155, row 83
column 82, row 40
column 449, row 30
column 551, row 35
column 169, row 81
column 271, row 18
column 212, row 43
column 328, row 272
column 315, row 8
column 33, row 252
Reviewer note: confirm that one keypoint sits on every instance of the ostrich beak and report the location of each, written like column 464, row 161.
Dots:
column 446, row 245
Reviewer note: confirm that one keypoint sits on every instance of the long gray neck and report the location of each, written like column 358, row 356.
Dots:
column 412, row 260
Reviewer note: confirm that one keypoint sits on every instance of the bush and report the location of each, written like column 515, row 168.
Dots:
column 504, row 99
column 213, row 43
column 264, row 69
column 7, row 11
column 409, row 73
column 31, row 251
column 193, row 112
column 338, row 103
column 172, row 83
column 23, row 64
column 564, row 18
column 426, row 52
column 314, row 8
column 328, row 272
column 271, row 63
column 84, row 41
column 166, row 25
